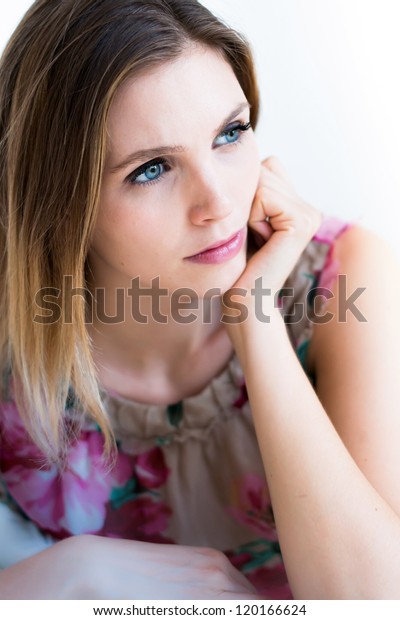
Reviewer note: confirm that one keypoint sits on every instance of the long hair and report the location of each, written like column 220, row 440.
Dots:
column 58, row 75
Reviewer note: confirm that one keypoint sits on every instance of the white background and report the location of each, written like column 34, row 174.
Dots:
column 329, row 74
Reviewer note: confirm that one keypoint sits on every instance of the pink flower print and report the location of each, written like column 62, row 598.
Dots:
column 243, row 397
column 142, row 518
column 329, row 271
column 330, row 229
column 74, row 501
column 238, row 560
column 150, row 468
column 271, row 581
column 252, row 506
column 16, row 444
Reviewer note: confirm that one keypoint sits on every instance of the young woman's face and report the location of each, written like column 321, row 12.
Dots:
column 181, row 173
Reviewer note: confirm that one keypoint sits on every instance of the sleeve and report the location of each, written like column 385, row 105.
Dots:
column 312, row 277
column 19, row 538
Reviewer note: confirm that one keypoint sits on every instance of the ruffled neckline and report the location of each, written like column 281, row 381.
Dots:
column 133, row 421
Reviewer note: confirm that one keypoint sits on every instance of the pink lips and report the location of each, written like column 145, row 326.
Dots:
column 223, row 252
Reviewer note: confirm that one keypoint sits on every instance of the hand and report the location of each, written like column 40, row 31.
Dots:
column 110, row 568
column 291, row 225
column 91, row 567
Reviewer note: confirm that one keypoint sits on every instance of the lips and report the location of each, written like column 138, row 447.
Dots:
column 221, row 251
column 218, row 244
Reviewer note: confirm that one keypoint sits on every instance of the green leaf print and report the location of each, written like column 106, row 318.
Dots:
column 175, row 414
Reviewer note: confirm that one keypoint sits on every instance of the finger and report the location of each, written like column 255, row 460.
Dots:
column 258, row 219
column 273, row 164
column 275, row 189
column 270, row 212
column 277, row 185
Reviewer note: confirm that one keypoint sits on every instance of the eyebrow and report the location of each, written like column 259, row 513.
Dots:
column 148, row 154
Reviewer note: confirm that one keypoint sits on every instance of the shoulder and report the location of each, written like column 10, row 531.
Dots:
column 366, row 271
column 356, row 332
column 361, row 249
column 363, row 289
column 341, row 297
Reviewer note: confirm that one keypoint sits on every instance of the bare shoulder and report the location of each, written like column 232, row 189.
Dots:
column 366, row 286
column 358, row 244
column 360, row 250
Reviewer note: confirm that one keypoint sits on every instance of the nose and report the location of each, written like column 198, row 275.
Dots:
column 208, row 197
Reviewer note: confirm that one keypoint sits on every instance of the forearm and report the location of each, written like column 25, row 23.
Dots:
column 93, row 567
column 326, row 511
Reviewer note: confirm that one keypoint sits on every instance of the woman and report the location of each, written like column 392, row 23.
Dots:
column 132, row 193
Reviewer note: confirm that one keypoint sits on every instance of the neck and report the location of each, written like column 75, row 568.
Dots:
column 158, row 336
column 146, row 345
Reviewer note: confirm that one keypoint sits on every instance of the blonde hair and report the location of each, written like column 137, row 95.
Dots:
column 58, row 76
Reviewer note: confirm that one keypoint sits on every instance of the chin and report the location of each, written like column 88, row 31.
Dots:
column 225, row 277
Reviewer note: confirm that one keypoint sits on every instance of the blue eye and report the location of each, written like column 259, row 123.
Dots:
column 231, row 134
column 148, row 173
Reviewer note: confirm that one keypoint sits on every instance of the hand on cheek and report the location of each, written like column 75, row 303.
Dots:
column 281, row 223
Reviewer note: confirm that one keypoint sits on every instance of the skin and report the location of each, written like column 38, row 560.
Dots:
column 331, row 454
column 204, row 197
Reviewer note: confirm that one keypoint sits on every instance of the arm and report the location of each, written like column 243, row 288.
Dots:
column 93, row 567
column 331, row 458
column 338, row 536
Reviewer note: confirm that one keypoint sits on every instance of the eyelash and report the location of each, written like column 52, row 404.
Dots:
column 131, row 178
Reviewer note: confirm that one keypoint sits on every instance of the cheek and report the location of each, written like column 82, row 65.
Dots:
column 250, row 174
column 119, row 219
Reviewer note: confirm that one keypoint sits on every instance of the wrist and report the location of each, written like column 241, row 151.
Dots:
column 244, row 307
column 256, row 329
column 67, row 560
column 84, row 562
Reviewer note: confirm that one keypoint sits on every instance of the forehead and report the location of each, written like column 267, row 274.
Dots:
column 197, row 89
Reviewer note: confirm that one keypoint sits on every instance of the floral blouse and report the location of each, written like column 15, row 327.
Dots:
column 189, row 473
